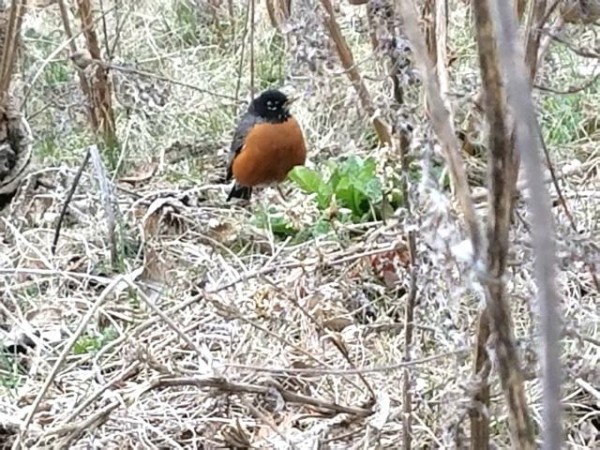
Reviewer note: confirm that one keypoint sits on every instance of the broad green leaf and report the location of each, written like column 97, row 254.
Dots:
column 343, row 192
column 349, row 197
column 321, row 227
column 352, row 166
column 281, row 227
column 307, row 179
column 368, row 169
column 311, row 181
column 324, row 196
column 372, row 190
column 274, row 221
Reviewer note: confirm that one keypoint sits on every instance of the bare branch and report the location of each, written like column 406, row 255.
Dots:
column 442, row 125
column 519, row 98
column 347, row 60
column 496, row 315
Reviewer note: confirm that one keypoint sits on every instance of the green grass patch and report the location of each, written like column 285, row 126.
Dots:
column 92, row 344
column 562, row 118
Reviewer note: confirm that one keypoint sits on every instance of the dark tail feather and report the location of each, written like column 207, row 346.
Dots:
column 241, row 192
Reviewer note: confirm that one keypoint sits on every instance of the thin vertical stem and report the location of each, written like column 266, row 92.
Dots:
column 252, row 8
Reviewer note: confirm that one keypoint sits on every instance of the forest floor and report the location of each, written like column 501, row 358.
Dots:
column 212, row 325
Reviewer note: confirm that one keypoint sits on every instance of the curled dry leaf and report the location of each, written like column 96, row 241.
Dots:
column 337, row 323
column 162, row 211
column 160, row 218
column 387, row 266
column 142, row 173
column 221, row 231
column 263, row 301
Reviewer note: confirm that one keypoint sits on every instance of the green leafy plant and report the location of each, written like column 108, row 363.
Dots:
column 86, row 343
column 281, row 227
column 310, row 181
column 10, row 370
column 353, row 183
column 276, row 222
column 187, row 18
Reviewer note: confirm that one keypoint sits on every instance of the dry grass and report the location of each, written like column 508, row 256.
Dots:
column 217, row 333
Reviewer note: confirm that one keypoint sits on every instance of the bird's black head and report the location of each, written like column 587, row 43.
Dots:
column 271, row 105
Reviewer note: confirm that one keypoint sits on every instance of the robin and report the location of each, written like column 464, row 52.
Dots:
column 267, row 143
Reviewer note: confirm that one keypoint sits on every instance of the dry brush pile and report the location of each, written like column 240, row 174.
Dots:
column 429, row 282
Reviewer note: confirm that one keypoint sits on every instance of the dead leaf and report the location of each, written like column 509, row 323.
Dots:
column 337, row 323
column 388, row 266
column 146, row 172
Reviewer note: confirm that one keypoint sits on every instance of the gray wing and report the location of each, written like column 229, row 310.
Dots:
column 246, row 123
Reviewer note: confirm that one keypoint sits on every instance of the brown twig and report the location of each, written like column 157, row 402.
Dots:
column 252, row 26
column 496, row 316
column 224, row 385
column 563, row 203
column 347, row 60
column 547, row 180
column 99, row 417
column 278, row 11
column 441, row 123
column 83, row 83
column 441, row 58
column 344, row 372
column 9, row 53
column 119, row 30
column 347, row 256
column 232, row 312
column 63, row 210
column 571, row 90
column 536, row 16
column 100, row 87
column 151, row 304
column 584, row 53
column 82, row 60
column 269, row 422
column 107, row 47
column 428, row 17
column 519, row 97
column 337, row 341
column 238, row 83
column 409, row 315
column 125, row 374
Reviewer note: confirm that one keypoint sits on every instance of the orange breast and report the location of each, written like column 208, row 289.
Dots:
column 270, row 151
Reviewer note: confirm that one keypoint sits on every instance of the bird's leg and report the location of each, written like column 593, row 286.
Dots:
column 281, row 193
